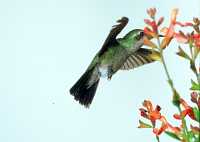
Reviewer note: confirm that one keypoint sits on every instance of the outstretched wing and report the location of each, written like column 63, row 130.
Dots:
column 111, row 38
column 139, row 58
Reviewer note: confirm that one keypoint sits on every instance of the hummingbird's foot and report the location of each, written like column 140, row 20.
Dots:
column 109, row 77
column 110, row 72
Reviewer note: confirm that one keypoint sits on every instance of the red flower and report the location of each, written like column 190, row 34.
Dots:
column 195, row 98
column 153, row 114
column 150, row 113
column 166, row 126
column 187, row 111
column 170, row 33
column 196, row 38
column 152, row 30
column 152, row 24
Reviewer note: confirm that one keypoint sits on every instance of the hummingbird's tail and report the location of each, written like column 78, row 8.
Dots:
column 85, row 88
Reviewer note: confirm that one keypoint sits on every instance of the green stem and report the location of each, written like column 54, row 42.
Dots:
column 164, row 65
column 172, row 87
column 192, row 63
column 157, row 138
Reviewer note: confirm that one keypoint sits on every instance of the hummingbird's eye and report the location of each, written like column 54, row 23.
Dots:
column 139, row 36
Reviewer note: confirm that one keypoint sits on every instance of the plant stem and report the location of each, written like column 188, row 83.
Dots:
column 164, row 65
column 172, row 87
column 192, row 63
column 157, row 138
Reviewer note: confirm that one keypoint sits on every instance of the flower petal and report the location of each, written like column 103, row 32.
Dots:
column 149, row 43
column 151, row 12
column 165, row 42
column 160, row 21
column 180, row 38
column 174, row 14
column 184, row 24
column 149, row 32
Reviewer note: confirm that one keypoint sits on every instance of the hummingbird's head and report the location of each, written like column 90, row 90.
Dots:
column 133, row 38
column 139, row 35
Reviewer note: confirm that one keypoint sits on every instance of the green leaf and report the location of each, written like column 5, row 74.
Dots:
column 144, row 125
column 173, row 135
column 182, row 53
column 192, row 137
column 196, row 113
column 195, row 86
column 196, row 52
column 192, row 66
column 176, row 98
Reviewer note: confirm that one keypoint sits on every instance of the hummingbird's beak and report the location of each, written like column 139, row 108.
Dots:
column 150, row 37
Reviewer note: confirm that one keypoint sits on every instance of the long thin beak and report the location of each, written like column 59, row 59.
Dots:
column 150, row 37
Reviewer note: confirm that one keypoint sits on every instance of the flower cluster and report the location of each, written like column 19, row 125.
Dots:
column 192, row 39
column 154, row 115
column 169, row 32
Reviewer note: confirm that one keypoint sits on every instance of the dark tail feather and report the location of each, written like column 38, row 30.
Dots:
column 82, row 91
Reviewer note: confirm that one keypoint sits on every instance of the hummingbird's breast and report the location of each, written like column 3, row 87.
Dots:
column 103, row 71
column 112, row 61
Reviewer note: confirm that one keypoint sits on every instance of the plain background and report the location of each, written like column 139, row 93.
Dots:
column 45, row 47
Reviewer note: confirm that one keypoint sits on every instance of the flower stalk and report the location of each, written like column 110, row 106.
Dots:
column 181, row 133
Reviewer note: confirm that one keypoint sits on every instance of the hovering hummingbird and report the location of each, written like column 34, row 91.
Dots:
column 116, row 54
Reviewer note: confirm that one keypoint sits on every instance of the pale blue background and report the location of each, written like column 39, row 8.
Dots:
column 45, row 47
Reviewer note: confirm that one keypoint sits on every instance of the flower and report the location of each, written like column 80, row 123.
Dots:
column 152, row 26
column 169, row 33
column 149, row 43
column 153, row 114
column 151, row 12
column 196, row 39
column 195, row 98
column 150, row 113
column 196, row 24
column 166, row 126
column 187, row 111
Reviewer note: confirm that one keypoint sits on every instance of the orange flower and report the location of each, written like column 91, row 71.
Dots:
column 150, row 113
column 149, row 43
column 152, row 29
column 166, row 126
column 170, row 33
column 187, row 111
column 153, row 114
column 149, row 32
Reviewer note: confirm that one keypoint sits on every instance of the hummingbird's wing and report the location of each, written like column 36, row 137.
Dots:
column 138, row 58
column 111, row 38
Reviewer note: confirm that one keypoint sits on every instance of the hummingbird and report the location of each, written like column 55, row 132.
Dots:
column 116, row 54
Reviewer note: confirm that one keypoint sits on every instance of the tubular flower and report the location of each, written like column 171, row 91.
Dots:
column 196, row 38
column 195, row 98
column 150, row 113
column 170, row 33
column 151, row 12
column 152, row 26
column 187, row 111
column 166, row 126
column 153, row 114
